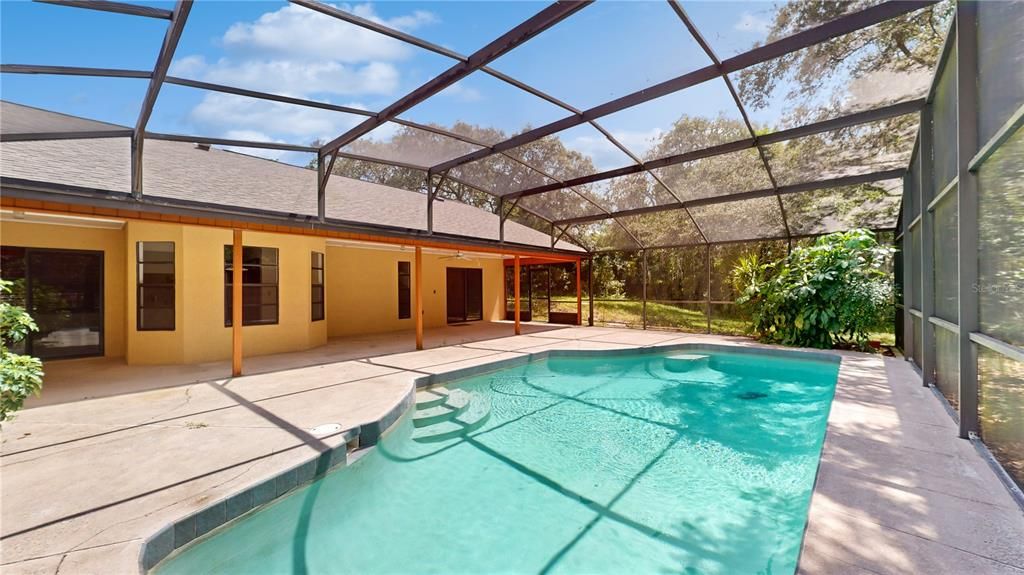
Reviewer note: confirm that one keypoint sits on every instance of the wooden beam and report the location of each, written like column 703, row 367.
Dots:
column 418, row 296
column 515, row 293
column 236, row 304
column 579, row 295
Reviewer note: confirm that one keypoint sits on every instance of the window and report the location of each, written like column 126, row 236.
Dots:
column 404, row 286
column 259, row 285
column 155, row 286
column 317, row 281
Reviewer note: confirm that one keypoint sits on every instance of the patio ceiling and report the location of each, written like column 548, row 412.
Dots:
column 764, row 168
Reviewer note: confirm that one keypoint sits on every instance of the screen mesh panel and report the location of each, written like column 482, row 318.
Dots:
column 485, row 109
column 666, row 228
column 944, row 253
column 944, row 124
column 1001, row 409
column 500, row 174
column 862, row 149
column 629, row 192
column 677, row 288
column 873, row 206
column 1001, row 242
column 947, row 365
column 834, row 78
column 1000, row 64
column 740, row 171
column 596, row 55
column 561, row 204
column 618, row 289
column 740, row 220
column 403, row 144
column 601, row 235
column 914, row 290
column 694, row 118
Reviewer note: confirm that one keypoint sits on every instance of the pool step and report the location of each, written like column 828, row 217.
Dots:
column 454, row 405
column 471, row 419
column 432, row 397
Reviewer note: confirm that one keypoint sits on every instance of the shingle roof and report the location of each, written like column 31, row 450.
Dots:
column 183, row 171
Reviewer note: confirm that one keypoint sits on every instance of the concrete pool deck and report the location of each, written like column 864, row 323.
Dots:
column 85, row 482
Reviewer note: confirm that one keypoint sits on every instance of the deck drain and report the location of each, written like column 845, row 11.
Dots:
column 326, row 429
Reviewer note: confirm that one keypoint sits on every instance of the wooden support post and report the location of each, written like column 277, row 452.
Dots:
column 579, row 294
column 236, row 304
column 515, row 293
column 418, row 297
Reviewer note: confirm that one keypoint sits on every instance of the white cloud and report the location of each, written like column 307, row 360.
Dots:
column 298, row 52
column 226, row 113
column 462, row 93
column 749, row 22
column 289, row 77
column 299, row 31
column 606, row 155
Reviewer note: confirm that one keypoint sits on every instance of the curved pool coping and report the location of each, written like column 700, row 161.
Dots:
column 219, row 514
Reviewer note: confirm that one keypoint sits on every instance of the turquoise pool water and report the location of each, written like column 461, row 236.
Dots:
column 569, row 465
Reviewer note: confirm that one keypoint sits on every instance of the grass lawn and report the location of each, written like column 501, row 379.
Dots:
column 684, row 317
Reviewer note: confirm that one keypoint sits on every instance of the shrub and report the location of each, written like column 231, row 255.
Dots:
column 824, row 295
column 20, row 375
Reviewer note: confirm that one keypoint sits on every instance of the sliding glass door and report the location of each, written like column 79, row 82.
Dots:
column 465, row 294
column 63, row 290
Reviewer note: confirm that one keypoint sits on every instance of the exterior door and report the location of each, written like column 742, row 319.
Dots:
column 63, row 291
column 465, row 296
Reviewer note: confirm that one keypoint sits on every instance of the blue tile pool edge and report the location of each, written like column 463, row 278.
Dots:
column 228, row 509
column 198, row 524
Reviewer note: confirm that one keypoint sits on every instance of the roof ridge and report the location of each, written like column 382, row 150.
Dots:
column 66, row 115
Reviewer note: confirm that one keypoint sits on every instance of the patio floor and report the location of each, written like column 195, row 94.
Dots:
column 85, row 482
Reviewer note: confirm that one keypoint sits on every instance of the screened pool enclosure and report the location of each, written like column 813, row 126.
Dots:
column 694, row 145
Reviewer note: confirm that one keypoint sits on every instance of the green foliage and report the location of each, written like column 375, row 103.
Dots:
column 828, row 294
column 21, row 374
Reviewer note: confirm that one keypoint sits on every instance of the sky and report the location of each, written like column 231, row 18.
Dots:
column 607, row 50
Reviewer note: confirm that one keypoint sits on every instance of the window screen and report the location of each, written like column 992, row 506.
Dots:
column 404, row 288
column 316, row 278
column 155, row 286
column 259, row 285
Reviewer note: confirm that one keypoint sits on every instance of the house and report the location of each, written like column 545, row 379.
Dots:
column 153, row 276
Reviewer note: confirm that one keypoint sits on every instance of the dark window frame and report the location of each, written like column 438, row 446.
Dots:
column 28, row 304
column 140, row 285
column 405, row 291
column 317, row 287
column 276, row 285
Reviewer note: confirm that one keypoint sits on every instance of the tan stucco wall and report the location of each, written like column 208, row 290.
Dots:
column 108, row 241
column 362, row 289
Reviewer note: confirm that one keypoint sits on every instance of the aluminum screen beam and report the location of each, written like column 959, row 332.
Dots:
column 968, row 143
column 264, row 96
column 163, row 63
column 695, row 32
column 229, row 142
column 838, row 27
column 754, row 194
column 849, row 120
column 42, row 136
column 74, row 71
column 116, row 7
column 541, row 21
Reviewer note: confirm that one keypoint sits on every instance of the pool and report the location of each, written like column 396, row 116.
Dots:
column 617, row 464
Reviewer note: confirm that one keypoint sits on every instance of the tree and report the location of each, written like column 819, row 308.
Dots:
column 21, row 375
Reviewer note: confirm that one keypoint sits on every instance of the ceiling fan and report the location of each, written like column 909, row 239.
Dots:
column 458, row 256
